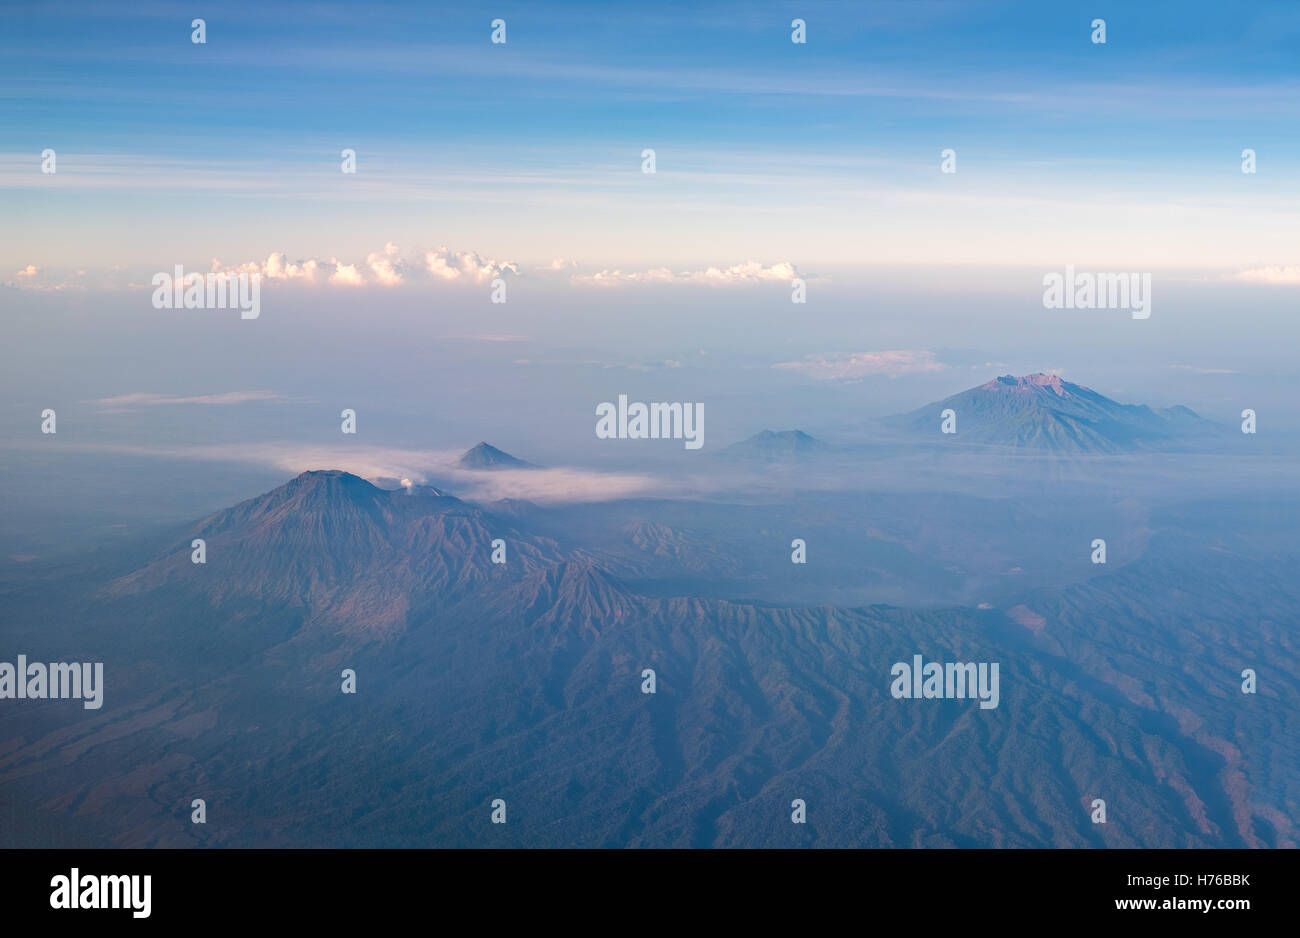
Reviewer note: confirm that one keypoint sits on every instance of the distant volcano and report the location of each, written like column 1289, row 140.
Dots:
column 777, row 445
column 1041, row 411
column 487, row 456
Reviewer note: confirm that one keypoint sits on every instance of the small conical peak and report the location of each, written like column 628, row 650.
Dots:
column 486, row 456
column 796, row 439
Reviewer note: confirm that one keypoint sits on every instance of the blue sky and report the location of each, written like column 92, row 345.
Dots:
column 824, row 155
column 523, row 161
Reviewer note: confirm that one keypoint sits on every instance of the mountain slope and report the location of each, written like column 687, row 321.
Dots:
column 525, row 682
column 350, row 556
column 486, row 456
column 777, row 446
column 1045, row 412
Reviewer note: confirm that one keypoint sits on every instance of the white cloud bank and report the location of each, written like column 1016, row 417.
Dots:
column 387, row 267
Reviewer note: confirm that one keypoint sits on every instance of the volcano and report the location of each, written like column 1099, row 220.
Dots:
column 487, row 456
column 1045, row 412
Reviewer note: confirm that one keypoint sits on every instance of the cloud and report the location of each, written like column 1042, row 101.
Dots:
column 748, row 273
column 1278, row 275
column 346, row 275
column 277, row 266
column 1204, row 371
column 385, row 267
column 465, row 266
column 560, row 485
column 41, row 280
column 892, row 363
column 153, row 400
column 552, row 485
column 651, row 366
column 603, row 364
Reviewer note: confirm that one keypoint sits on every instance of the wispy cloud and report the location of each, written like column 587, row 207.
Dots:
column 1281, row 275
column 39, row 280
column 491, row 337
column 123, row 401
column 1195, row 369
column 891, row 363
column 560, row 484
column 667, row 363
column 553, row 485
column 748, row 273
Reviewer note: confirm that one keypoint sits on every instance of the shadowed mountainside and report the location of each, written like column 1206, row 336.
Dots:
column 523, row 681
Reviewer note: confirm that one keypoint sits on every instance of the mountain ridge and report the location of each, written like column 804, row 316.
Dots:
column 777, row 445
column 1045, row 412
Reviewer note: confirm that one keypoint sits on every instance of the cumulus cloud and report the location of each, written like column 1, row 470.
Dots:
column 277, row 266
column 346, row 275
column 1277, row 275
column 891, row 363
column 465, row 265
column 386, row 267
column 748, row 273
column 43, row 280
column 391, row 267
